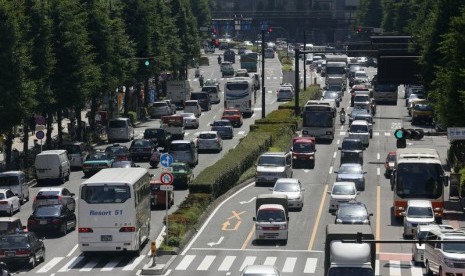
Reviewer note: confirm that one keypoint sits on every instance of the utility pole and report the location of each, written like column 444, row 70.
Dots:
column 263, row 72
column 296, row 82
column 305, row 60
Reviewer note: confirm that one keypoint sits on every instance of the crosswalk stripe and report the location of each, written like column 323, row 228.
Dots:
column 289, row 264
column 226, row 264
column 249, row 260
column 387, row 134
column 67, row 267
column 241, row 132
column 416, row 270
column 310, row 265
column 270, row 261
column 90, row 265
column 50, row 264
column 394, row 268
column 112, row 264
column 186, row 261
column 343, row 133
column 375, row 133
column 206, row 262
column 133, row 263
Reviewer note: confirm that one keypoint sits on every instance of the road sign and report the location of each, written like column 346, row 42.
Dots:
column 167, row 169
column 166, row 188
column 456, row 133
column 166, row 178
column 166, row 160
column 40, row 127
column 40, row 135
column 40, row 120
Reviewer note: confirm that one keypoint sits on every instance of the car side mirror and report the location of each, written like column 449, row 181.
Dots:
column 328, row 192
column 370, row 214
column 364, row 172
column 73, row 194
column 335, row 171
column 446, row 180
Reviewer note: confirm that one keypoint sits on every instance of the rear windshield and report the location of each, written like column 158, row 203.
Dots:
column 361, row 98
column 6, row 181
column 180, row 147
column 191, row 103
column 211, row 89
column 161, row 104
column 47, row 211
column 199, row 96
column 14, row 241
column 358, row 129
column 117, row 124
column 351, row 145
column 237, row 86
column 105, row 194
column 207, row 136
column 271, row 161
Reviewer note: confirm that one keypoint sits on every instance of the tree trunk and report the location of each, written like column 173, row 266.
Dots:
column 60, row 129
column 93, row 111
column 80, row 129
column 48, row 141
column 8, row 147
column 25, row 140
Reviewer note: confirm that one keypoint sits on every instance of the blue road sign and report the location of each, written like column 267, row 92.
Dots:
column 40, row 135
column 166, row 160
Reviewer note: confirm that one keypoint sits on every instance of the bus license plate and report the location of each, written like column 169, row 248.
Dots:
column 106, row 238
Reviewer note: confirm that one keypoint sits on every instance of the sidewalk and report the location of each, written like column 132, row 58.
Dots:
column 18, row 144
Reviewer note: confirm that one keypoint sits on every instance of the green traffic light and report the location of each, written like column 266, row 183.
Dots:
column 399, row 134
column 147, row 63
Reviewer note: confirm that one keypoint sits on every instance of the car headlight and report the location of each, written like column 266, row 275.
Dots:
column 449, row 262
column 338, row 221
column 283, row 227
column 366, row 221
column 258, row 227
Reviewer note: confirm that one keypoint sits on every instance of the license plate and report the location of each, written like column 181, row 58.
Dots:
column 10, row 254
column 43, row 222
column 106, row 238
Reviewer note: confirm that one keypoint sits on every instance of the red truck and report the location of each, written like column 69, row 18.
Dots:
column 303, row 151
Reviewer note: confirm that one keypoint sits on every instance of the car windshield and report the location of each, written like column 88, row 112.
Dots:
column 47, row 211
column 286, row 187
column 302, row 147
column 270, row 215
column 237, row 86
column 141, row 144
column 361, row 98
column 221, row 123
column 179, row 168
column 207, row 136
column 190, row 104
column 97, row 156
column 454, row 248
column 180, row 147
column 47, row 193
column 352, row 211
column 391, row 158
column 420, row 212
column 117, row 150
column 358, row 129
column 188, row 115
column 360, row 75
column 423, row 107
column 105, row 194
column 419, row 180
column 351, row 145
column 344, row 190
column 356, row 169
column 117, row 124
column 121, row 164
column 271, row 161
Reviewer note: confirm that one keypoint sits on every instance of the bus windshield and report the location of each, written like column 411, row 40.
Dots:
column 105, row 194
column 318, row 119
column 419, row 180
column 335, row 70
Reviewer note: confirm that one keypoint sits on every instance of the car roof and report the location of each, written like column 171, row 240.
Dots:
column 287, row 180
column 344, row 183
column 187, row 114
column 260, row 270
column 181, row 142
column 51, row 189
column 192, row 100
column 350, row 165
column 209, row 132
column 273, row 154
column 359, row 122
column 352, row 203
column 418, row 203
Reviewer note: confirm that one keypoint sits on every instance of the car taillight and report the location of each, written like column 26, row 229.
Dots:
column 3, row 202
column 23, row 252
column 128, row 229
column 31, row 221
column 60, row 199
column 56, row 221
column 85, row 230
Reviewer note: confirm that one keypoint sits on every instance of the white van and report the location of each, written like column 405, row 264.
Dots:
column 17, row 183
column 77, row 152
column 445, row 258
column 52, row 165
column 273, row 165
column 120, row 129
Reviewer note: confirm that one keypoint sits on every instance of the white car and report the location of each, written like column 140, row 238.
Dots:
column 361, row 130
column 418, row 250
column 9, row 202
column 343, row 191
column 190, row 120
column 418, row 212
column 293, row 189
column 52, row 196
column 209, row 140
column 193, row 106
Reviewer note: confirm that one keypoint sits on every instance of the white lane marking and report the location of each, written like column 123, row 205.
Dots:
column 206, row 262
column 394, row 268
column 338, row 141
column 331, row 170
column 133, row 263
column 53, row 262
column 310, row 265
column 342, row 127
column 275, row 78
column 375, row 133
column 334, row 154
column 242, row 132
column 72, row 251
column 248, row 201
column 378, row 171
column 67, row 267
column 306, row 170
column 270, row 261
column 342, row 133
column 112, row 264
column 387, row 134
column 90, row 265
column 249, row 260
column 270, row 91
column 186, row 261
column 377, row 268
column 227, row 263
column 139, row 272
column 416, row 270
column 377, row 156
column 289, row 265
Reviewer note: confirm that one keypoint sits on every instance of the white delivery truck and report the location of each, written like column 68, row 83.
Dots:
column 336, row 66
column 178, row 91
column 272, row 218
column 343, row 258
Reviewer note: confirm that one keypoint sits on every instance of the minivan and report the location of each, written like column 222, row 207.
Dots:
column 52, row 165
column 184, row 151
column 120, row 129
column 76, row 153
column 16, row 182
column 10, row 225
column 273, row 165
column 445, row 258
column 213, row 92
column 203, row 98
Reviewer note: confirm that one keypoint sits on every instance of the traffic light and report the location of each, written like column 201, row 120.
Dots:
column 214, row 32
column 149, row 61
column 403, row 134
column 270, row 29
column 359, row 29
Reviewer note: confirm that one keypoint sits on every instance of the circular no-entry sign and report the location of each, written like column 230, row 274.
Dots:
column 166, row 178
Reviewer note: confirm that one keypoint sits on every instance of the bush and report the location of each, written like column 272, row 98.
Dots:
column 133, row 117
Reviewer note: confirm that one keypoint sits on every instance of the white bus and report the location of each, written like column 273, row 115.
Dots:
column 114, row 210
column 319, row 119
column 238, row 95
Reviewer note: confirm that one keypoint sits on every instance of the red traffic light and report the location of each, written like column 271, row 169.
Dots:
column 270, row 29
column 359, row 29
column 214, row 31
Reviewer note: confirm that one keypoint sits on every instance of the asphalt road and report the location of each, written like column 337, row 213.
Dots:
column 62, row 254
column 225, row 243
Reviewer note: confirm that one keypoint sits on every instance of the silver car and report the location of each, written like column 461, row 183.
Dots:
column 209, row 140
column 361, row 130
column 341, row 192
column 260, row 270
column 159, row 109
column 292, row 188
column 190, row 120
column 418, row 212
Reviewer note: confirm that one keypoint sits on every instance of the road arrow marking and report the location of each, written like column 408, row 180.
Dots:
column 244, row 202
column 216, row 243
column 226, row 224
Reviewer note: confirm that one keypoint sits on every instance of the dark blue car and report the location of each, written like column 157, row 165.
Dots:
column 224, row 128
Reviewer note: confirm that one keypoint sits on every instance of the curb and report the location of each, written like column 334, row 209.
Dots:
column 158, row 269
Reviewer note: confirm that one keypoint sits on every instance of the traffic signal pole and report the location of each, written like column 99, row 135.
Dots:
column 263, row 74
column 296, row 82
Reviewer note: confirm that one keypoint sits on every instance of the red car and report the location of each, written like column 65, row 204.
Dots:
column 303, row 151
column 158, row 197
column 357, row 87
column 234, row 116
column 389, row 163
